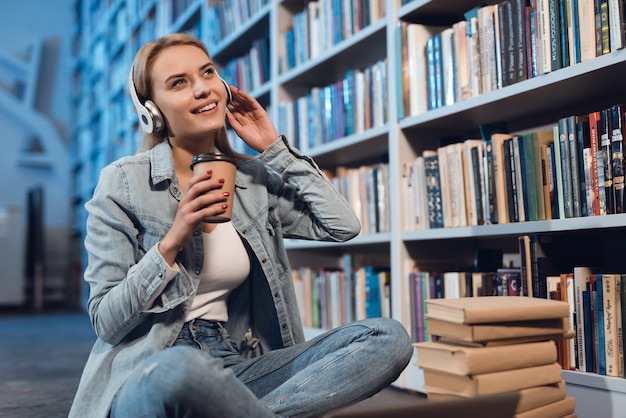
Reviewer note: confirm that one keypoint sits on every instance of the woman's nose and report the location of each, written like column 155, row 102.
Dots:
column 201, row 88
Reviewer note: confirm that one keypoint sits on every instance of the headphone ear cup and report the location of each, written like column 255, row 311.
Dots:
column 229, row 93
column 155, row 116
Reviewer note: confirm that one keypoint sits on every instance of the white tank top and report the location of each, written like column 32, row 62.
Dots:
column 226, row 266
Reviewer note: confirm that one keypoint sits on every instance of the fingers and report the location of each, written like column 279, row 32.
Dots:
column 204, row 197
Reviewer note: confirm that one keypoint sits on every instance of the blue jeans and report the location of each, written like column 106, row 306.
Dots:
column 204, row 375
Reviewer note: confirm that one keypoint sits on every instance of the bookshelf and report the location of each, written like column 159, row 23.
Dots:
column 108, row 32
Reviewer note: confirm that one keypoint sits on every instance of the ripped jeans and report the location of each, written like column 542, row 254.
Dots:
column 203, row 374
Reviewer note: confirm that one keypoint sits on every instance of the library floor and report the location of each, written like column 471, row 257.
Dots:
column 42, row 356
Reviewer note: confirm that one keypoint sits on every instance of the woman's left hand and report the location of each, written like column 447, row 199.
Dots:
column 250, row 121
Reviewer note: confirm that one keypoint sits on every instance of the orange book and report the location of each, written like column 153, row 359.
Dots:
column 494, row 309
column 490, row 383
column 465, row 360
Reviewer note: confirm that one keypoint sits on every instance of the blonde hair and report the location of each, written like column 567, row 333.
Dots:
column 142, row 70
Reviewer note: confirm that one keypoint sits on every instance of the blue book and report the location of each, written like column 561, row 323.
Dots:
column 563, row 35
column 601, row 353
column 348, row 101
column 576, row 32
column 373, row 294
column 438, row 60
column 291, row 56
column 430, row 73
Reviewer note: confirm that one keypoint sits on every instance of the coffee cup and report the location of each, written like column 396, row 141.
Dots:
column 222, row 167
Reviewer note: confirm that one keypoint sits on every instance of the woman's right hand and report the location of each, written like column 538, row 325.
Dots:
column 203, row 198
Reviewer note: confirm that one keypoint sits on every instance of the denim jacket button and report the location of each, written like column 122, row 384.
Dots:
column 197, row 272
column 276, row 294
column 284, row 326
column 264, row 260
column 244, row 231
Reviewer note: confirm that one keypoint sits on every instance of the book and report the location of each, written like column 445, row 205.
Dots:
column 496, row 382
column 611, row 306
column 496, row 331
column 581, row 281
column 466, row 360
column 495, row 309
column 557, row 337
column 558, row 409
column 529, row 398
column 617, row 152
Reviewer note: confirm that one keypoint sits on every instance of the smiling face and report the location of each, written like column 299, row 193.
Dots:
column 189, row 93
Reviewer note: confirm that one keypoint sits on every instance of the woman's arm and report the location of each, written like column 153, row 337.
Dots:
column 310, row 206
column 126, row 273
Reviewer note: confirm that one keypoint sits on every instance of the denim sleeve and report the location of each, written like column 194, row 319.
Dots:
column 123, row 276
column 309, row 205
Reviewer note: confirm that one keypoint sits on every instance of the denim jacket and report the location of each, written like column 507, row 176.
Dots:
column 280, row 193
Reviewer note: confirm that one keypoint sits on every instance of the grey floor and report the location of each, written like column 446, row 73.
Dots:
column 42, row 356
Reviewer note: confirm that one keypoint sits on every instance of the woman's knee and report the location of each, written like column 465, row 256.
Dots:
column 394, row 336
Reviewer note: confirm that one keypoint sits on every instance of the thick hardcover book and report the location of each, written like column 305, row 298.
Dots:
column 497, row 382
column 465, row 360
column 530, row 175
column 529, row 398
column 597, row 164
column 497, row 330
column 498, row 142
column 559, row 409
column 610, row 301
column 495, row 309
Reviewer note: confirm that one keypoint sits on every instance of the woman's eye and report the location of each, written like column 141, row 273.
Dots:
column 209, row 71
column 178, row 82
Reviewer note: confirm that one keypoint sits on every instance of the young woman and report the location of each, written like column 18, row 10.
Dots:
column 196, row 319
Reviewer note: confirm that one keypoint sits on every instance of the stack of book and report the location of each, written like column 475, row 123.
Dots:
column 496, row 344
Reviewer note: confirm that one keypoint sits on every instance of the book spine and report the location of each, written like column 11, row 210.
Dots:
column 619, row 345
column 566, row 170
column 617, row 151
column 491, row 183
column 433, row 190
column 588, row 334
column 564, row 36
column 605, row 141
column 555, row 35
column 605, row 35
column 584, row 163
column 574, row 166
column 593, row 303
column 609, row 301
column 594, row 138
column 600, row 328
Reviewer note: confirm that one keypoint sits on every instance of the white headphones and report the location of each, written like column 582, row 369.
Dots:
column 149, row 115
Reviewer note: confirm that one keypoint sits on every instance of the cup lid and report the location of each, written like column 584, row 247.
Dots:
column 212, row 156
